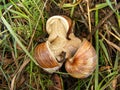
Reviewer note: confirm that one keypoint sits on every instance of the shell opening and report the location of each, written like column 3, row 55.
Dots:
column 52, row 19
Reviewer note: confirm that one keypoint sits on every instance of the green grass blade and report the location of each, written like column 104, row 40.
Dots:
column 116, row 12
column 67, row 5
column 117, row 61
column 6, row 78
column 18, row 13
column 108, row 80
column 90, row 81
column 97, row 51
column 105, row 51
column 72, row 9
column 100, row 6
column 17, row 40
column 110, row 5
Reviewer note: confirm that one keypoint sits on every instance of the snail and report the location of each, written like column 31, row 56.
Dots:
column 46, row 58
column 49, row 54
column 63, row 46
column 83, row 63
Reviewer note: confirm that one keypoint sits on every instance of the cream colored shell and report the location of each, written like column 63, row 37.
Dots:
column 58, row 26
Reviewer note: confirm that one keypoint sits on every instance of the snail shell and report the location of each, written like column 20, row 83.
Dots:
column 45, row 58
column 58, row 26
column 83, row 63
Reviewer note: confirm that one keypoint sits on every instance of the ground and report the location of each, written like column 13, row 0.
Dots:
column 23, row 27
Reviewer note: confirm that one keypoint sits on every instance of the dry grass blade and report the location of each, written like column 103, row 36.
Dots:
column 13, row 83
column 103, row 20
column 89, row 19
column 16, row 75
column 117, row 37
column 114, row 83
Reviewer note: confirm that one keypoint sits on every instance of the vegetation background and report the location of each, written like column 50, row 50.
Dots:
column 22, row 27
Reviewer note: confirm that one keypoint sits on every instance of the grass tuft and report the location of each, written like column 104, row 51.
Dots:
column 22, row 25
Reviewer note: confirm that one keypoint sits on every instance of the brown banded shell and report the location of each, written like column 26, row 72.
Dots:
column 45, row 57
column 83, row 63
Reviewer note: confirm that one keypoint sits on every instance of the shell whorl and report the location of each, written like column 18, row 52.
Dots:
column 83, row 63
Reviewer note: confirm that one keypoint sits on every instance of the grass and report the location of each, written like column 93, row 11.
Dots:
column 22, row 23
column 97, row 51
